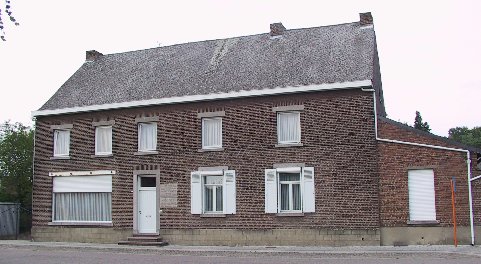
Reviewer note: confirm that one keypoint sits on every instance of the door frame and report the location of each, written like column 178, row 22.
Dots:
column 136, row 175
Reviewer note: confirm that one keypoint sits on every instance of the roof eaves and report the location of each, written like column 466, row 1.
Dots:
column 206, row 97
column 427, row 134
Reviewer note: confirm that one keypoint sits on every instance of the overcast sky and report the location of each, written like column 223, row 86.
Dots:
column 430, row 51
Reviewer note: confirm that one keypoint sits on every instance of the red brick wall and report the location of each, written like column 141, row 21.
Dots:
column 337, row 133
column 396, row 159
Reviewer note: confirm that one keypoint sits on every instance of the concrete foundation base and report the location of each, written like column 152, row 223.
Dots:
column 273, row 237
column 402, row 236
column 79, row 234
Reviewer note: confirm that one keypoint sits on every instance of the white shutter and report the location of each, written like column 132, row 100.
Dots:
column 422, row 206
column 309, row 192
column 229, row 192
column 195, row 193
column 271, row 190
column 101, row 183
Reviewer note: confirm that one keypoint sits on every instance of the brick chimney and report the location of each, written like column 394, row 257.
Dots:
column 92, row 55
column 365, row 19
column 277, row 29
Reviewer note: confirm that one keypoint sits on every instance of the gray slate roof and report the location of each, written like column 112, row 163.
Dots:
column 319, row 55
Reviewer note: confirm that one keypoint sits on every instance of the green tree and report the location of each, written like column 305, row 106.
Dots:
column 471, row 137
column 16, row 168
column 419, row 124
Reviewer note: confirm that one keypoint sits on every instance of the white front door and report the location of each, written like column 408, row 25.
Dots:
column 147, row 205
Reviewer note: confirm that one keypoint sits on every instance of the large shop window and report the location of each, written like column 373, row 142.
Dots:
column 213, row 192
column 82, row 199
column 289, row 190
column 422, row 206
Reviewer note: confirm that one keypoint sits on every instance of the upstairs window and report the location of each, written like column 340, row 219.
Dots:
column 147, row 136
column 212, row 133
column 61, row 142
column 288, row 128
column 103, row 140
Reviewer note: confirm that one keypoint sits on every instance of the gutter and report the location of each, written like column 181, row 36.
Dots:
column 468, row 160
column 206, row 97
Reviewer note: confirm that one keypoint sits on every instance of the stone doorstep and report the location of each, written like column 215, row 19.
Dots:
column 144, row 240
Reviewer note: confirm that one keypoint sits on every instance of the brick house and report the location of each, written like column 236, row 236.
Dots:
column 269, row 139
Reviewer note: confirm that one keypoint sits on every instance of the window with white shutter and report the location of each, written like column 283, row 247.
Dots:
column 289, row 190
column 422, row 206
column 213, row 192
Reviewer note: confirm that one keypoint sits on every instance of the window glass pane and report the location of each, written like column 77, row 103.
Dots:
column 211, row 132
column 82, row 207
column 213, row 179
column 296, row 196
column 289, row 177
column 61, row 142
column 208, row 198
column 147, row 136
column 218, row 205
column 284, row 196
column 147, row 182
column 103, row 139
column 289, row 127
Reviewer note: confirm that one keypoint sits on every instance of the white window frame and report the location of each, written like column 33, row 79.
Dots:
column 279, row 114
column 214, row 195
column 291, row 192
column 55, row 141
column 273, row 190
column 204, row 132
column 139, row 125
column 80, row 183
column 96, row 140
column 228, row 192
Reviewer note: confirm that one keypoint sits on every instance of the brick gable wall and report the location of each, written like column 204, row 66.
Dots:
column 396, row 159
column 337, row 135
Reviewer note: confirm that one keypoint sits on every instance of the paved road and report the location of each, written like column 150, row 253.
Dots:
column 46, row 255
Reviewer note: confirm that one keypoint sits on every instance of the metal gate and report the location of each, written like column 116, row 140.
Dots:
column 9, row 220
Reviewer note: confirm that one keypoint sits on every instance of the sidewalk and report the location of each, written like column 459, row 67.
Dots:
column 213, row 250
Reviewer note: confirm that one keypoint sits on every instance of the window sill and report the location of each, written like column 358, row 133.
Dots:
column 60, row 223
column 426, row 222
column 290, row 214
column 150, row 152
column 60, row 158
column 208, row 150
column 102, row 155
column 289, row 145
column 213, row 215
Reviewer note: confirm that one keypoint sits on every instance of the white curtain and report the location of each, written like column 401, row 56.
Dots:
column 289, row 127
column 212, row 132
column 103, row 144
column 147, row 136
column 85, row 207
column 61, row 142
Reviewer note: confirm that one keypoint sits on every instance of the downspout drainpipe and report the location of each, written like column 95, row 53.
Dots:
column 468, row 160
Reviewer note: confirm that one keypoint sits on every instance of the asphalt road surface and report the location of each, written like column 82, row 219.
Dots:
column 10, row 255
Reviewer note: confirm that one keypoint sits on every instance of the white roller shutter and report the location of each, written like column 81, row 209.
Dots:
column 271, row 190
column 101, row 183
column 422, row 206
column 229, row 192
column 308, row 196
column 195, row 193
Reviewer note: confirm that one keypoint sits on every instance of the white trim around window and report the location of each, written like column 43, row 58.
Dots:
column 61, row 143
column 288, row 127
column 213, row 193
column 103, row 140
column 212, row 133
column 147, row 137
